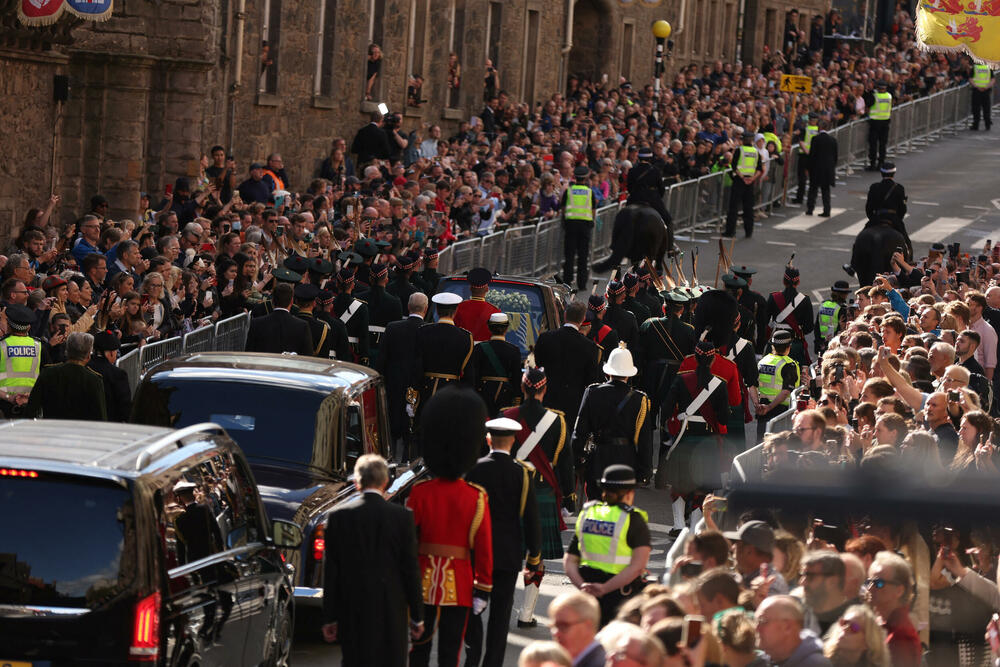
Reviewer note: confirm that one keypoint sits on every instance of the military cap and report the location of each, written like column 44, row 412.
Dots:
column 615, row 288
column 479, row 277
column 407, row 262
column 840, row 286
column 645, row 153
column 348, row 257
column 20, row 317
column 744, row 271
column 382, row 245
column 534, row 378
column 596, row 303
column 296, row 263
column 286, row 275
column 326, row 297
column 52, row 282
column 581, row 172
column 644, row 273
column 618, row 476
column 320, row 266
column 452, row 431
column 379, row 270
column 365, row 247
column 630, row 280
column 345, row 276
column 106, row 341
column 306, row 292
column 504, row 426
column 499, row 318
column 888, row 168
column 791, row 273
column 781, row 337
column 733, row 282
column 446, row 299
column 674, row 295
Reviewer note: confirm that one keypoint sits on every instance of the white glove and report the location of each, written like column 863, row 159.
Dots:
column 478, row 605
column 410, row 412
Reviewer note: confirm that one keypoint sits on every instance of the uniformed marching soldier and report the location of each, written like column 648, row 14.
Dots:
column 354, row 314
column 429, row 277
column 778, row 376
column 756, row 304
column 982, row 86
column 619, row 318
column 887, row 200
column 340, row 347
column 367, row 249
column 598, row 331
column 281, row 275
column 578, row 226
column 747, row 169
column 832, row 316
column 383, row 307
column 305, row 300
column 473, row 314
column 20, row 361
column 516, row 530
column 645, row 185
column 879, row 111
column 497, row 365
column 443, row 350
column 632, row 303
column 617, row 417
column 740, row 351
column 318, row 270
column 802, row 165
column 542, row 442
column 402, row 285
column 747, row 323
column 792, row 310
column 604, row 560
column 648, row 295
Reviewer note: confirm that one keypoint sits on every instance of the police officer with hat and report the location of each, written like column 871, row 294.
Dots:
column 353, row 312
column 383, row 307
column 879, row 111
column 982, row 86
column 473, row 314
column 20, row 360
column 887, row 200
column 747, row 168
column 497, row 365
column 603, row 560
column 645, row 185
column 616, row 416
column 305, row 300
column 777, row 376
column 578, row 226
column 832, row 315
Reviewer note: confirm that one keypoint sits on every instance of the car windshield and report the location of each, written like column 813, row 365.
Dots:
column 522, row 303
column 263, row 420
column 64, row 541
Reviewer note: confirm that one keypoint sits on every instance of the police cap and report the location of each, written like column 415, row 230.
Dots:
column 840, row 286
column 781, row 337
column 20, row 317
column 618, row 476
column 581, row 172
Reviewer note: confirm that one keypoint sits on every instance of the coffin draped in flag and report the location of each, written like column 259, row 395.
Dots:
column 970, row 26
column 45, row 12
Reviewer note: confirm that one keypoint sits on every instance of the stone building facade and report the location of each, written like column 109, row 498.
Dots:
column 159, row 83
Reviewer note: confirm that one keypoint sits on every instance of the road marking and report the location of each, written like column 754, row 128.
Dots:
column 925, row 203
column 939, row 229
column 681, row 237
column 819, row 296
column 854, row 229
column 785, row 243
column 995, row 202
column 803, row 222
column 825, row 247
column 978, row 208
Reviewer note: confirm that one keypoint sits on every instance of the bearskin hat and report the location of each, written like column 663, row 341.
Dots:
column 716, row 312
column 453, row 431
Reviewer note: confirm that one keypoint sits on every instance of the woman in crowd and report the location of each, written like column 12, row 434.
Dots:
column 857, row 640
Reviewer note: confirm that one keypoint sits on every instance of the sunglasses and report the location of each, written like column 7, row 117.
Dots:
column 853, row 627
column 878, row 583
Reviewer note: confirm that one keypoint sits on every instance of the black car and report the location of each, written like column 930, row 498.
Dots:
column 126, row 544
column 302, row 423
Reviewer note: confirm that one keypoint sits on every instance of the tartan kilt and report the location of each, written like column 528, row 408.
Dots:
column 548, row 518
column 693, row 464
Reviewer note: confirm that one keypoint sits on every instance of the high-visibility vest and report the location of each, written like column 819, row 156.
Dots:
column 747, row 163
column 20, row 359
column 771, row 136
column 600, row 532
column 981, row 76
column 829, row 316
column 882, row 108
column 278, row 183
column 769, row 376
column 579, row 203
column 811, row 131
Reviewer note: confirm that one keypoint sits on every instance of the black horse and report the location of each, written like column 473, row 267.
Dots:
column 639, row 233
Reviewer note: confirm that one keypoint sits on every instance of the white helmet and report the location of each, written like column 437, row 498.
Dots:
column 620, row 363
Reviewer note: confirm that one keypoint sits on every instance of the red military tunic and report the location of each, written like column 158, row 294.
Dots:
column 473, row 315
column 455, row 540
column 721, row 367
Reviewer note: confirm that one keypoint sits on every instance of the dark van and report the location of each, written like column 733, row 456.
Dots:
column 125, row 544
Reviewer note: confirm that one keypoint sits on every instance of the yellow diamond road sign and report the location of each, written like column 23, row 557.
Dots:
column 796, row 84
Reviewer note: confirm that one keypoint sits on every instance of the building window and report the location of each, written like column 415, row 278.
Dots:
column 714, row 20
column 270, row 45
column 493, row 28
column 699, row 22
column 455, row 53
column 530, row 57
column 323, row 85
column 770, row 26
column 628, row 35
column 373, row 56
column 415, row 57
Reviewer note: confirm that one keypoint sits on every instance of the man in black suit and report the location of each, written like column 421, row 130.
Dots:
column 305, row 300
column 370, row 143
column 570, row 360
column 822, row 168
column 280, row 331
column 117, row 392
column 514, row 515
column 371, row 584
column 396, row 362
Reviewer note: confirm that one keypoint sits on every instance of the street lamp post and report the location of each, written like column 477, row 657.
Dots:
column 661, row 30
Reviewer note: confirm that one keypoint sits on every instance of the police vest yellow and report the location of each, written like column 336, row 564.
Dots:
column 20, row 359
column 579, row 203
column 829, row 316
column 600, row 534
column 747, row 164
column 811, row 131
column 769, row 376
column 771, row 136
column 981, row 76
column 882, row 108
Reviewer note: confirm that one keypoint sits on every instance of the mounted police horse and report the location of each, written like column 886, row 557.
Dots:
column 639, row 233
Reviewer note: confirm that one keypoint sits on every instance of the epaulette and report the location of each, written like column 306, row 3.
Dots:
column 558, row 412
column 361, row 300
column 94, row 372
column 478, row 488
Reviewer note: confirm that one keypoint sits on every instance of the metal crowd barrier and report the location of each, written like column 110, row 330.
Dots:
column 231, row 333
column 783, row 421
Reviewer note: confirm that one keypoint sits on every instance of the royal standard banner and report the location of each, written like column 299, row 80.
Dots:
column 970, row 26
column 44, row 12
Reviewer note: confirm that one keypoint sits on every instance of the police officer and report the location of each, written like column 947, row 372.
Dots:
column 617, row 417
column 792, row 310
column 620, row 319
column 632, row 303
column 20, row 360
column 982, row 85
column 802, row 164
column 497, row 365
column 305, row 300
column 645, row 185
column 578, row 226
column 879, row 111
column 747, row 169
column 354, row 314
column 515, row 530
column 443, row 350
column 756, row 304
column 473, row 314
column 832, row 316
column 383, row 307
column 603, row 560
column 887, row 199
column 778, row 376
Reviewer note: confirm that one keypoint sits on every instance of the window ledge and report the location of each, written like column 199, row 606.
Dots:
column 367, row 106
column 454, row 114
column 413, row 112
column 323, row 102
column 267, row 100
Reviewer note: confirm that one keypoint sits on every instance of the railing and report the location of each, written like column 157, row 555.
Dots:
column 227, row 335
column 783, row 421
column 699, row 205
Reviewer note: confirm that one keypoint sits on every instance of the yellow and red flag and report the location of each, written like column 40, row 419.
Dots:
column 971, row 26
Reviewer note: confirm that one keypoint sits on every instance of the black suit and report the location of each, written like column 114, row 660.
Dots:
column 396, row 361
column 280, row 332
column 571, row 362
column 372, row 580
column 512, row 506
column 370, row 143
column 822, row 169
column 117, row 392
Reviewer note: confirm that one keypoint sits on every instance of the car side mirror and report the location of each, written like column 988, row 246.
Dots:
column 393, row 472
column 286, row 534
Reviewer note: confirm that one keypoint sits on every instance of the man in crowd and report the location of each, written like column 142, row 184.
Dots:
column 69, row 390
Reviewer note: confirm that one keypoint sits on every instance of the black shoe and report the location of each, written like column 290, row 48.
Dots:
column 974, row 128
column 776, row 205
column 871, row 167
column 824, row 214
column 797, row 201
column 748, row 235
column 809, row 212
column 527, row 624
column 728, row 235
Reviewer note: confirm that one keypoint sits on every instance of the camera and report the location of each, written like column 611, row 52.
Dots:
column 391, row 121
column 954, row 397
column 838, row 372
column 691, row 570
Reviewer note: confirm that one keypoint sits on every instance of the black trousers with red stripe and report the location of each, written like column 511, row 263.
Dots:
column 449, row 622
